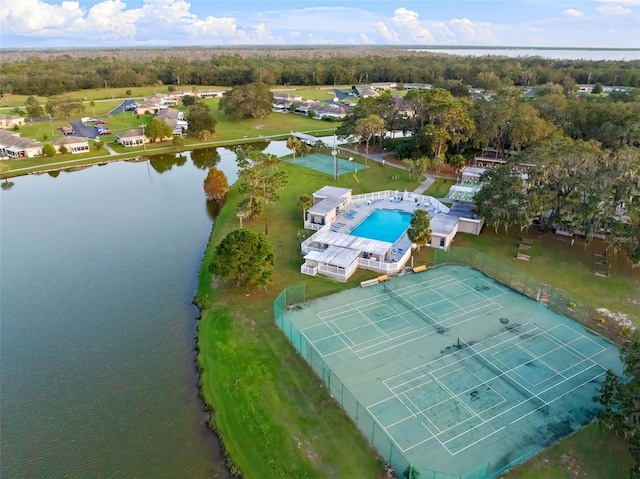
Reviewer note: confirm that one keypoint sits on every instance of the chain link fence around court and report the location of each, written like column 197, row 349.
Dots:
column 294, row 298
column 555, row 299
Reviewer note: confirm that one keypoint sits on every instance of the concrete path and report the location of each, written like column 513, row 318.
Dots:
column 109, row 149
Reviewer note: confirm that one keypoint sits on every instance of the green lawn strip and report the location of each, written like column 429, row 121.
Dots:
column 568, row 268
column 440, row 188
column 591, row 452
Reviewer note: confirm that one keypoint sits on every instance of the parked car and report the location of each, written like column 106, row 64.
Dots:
column 105, row 132
column 100, row 122
column 66, row 130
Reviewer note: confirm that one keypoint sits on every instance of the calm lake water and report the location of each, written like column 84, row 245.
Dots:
column 99, row 268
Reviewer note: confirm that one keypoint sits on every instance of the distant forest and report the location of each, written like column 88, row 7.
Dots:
column 52, row 72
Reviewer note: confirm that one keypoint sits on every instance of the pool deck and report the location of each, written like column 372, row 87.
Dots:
column 345, row 222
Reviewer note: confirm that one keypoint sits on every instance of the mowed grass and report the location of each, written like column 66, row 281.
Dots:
column 590, row 453
column 440, row 188
column 275, row 417
column 569, row 268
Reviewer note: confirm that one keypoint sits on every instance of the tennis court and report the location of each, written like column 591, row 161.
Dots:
column 325, row 164
column 462, row 375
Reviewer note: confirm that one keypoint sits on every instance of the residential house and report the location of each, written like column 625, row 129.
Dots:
column 175, row 119
column 417, row 86
column 13, row 146
column 135, row 137
column 384, row 86
column 11, row 121
column 210, row 94
column 365, row 91
column 73, row 144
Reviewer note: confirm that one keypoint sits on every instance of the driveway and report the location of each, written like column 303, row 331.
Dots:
column 121, row 108
column 86, row 131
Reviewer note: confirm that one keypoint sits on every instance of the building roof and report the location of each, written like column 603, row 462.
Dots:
column 355, row 243
column 335, row 256
column 336, row 191
column 473, row 170
column 443, row 224
column 326, row 205
column 10, row 139
column 168, row 114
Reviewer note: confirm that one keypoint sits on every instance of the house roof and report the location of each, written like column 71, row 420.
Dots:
column 10, row 117
column 10, row 139
column 168, row 114
column 131, row 133
column 69, row 140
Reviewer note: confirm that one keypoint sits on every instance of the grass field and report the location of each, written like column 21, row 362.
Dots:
column 440, row 188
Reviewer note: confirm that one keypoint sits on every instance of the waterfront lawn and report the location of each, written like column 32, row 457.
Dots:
column 275, row 417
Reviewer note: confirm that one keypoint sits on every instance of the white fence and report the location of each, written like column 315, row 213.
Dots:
column 310, row 270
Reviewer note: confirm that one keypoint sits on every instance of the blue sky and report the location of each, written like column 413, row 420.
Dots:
column 99, row 23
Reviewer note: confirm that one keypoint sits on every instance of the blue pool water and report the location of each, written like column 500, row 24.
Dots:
column 383, row 225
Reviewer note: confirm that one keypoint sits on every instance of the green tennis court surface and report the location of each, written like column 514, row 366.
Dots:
column 450, row 371
column 325, row 164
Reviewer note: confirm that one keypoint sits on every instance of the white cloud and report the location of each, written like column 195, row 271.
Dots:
column 408, row 21
column 294, row 34
column 613, row 10
column 571, row 12
column 385, row 32
column 31, row 16
column 365, row 39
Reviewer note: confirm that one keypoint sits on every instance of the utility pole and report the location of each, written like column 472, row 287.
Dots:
column 144, row 139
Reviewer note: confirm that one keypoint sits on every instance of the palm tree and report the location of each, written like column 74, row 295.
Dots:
column 294, row 144
column 420, row 228
column 304, row 203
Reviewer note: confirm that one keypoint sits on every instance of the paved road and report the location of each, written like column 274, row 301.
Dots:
column 86, row 131
column 120, row 108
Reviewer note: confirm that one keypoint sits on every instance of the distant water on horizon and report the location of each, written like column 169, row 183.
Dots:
column 551, row 53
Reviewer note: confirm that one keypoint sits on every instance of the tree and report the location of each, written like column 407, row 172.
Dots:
column 419, row 231
column 92, row 104
column 294, row 144
column 189, row 100
column 304, row 203
column 48, row 150
column 253, row 100
column 216, row 185
column 62, row 150
column 33, row 108
column 158, row 130
column 98, row 145
column 597, row 88
column 63, row 107
column 502, row 200
column 201, row 119
column 261, row 179
column 620, row 398
column 509, row 122
column 457, row 162
column 367, row 128
column 418, row 167
column 244, row 257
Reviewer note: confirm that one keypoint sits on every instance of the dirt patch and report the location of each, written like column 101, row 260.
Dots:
column 621, row 319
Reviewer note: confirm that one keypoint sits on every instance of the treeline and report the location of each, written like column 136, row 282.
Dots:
column 53, row 73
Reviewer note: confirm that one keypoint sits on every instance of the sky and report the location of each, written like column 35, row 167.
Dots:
column 144, row 23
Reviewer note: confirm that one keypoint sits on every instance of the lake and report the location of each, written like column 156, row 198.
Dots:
column 99, row 269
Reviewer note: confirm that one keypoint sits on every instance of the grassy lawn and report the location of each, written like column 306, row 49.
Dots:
column 591, row 453
column 440, row 188
column 569, row 268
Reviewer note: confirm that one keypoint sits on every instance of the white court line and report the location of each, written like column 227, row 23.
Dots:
column 427, row 326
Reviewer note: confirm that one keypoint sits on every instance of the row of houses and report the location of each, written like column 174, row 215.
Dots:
column 161, row 101
column 13, row 146
column 284, row 103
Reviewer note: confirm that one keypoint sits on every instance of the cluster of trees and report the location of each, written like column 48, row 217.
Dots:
column 252, row 100
column 51, row 74
column 620, row 400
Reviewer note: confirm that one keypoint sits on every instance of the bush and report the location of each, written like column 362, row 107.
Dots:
column 62, row 150
column 48, row 150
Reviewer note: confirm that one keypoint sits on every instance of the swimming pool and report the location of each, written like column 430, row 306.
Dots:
column 383, row 225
